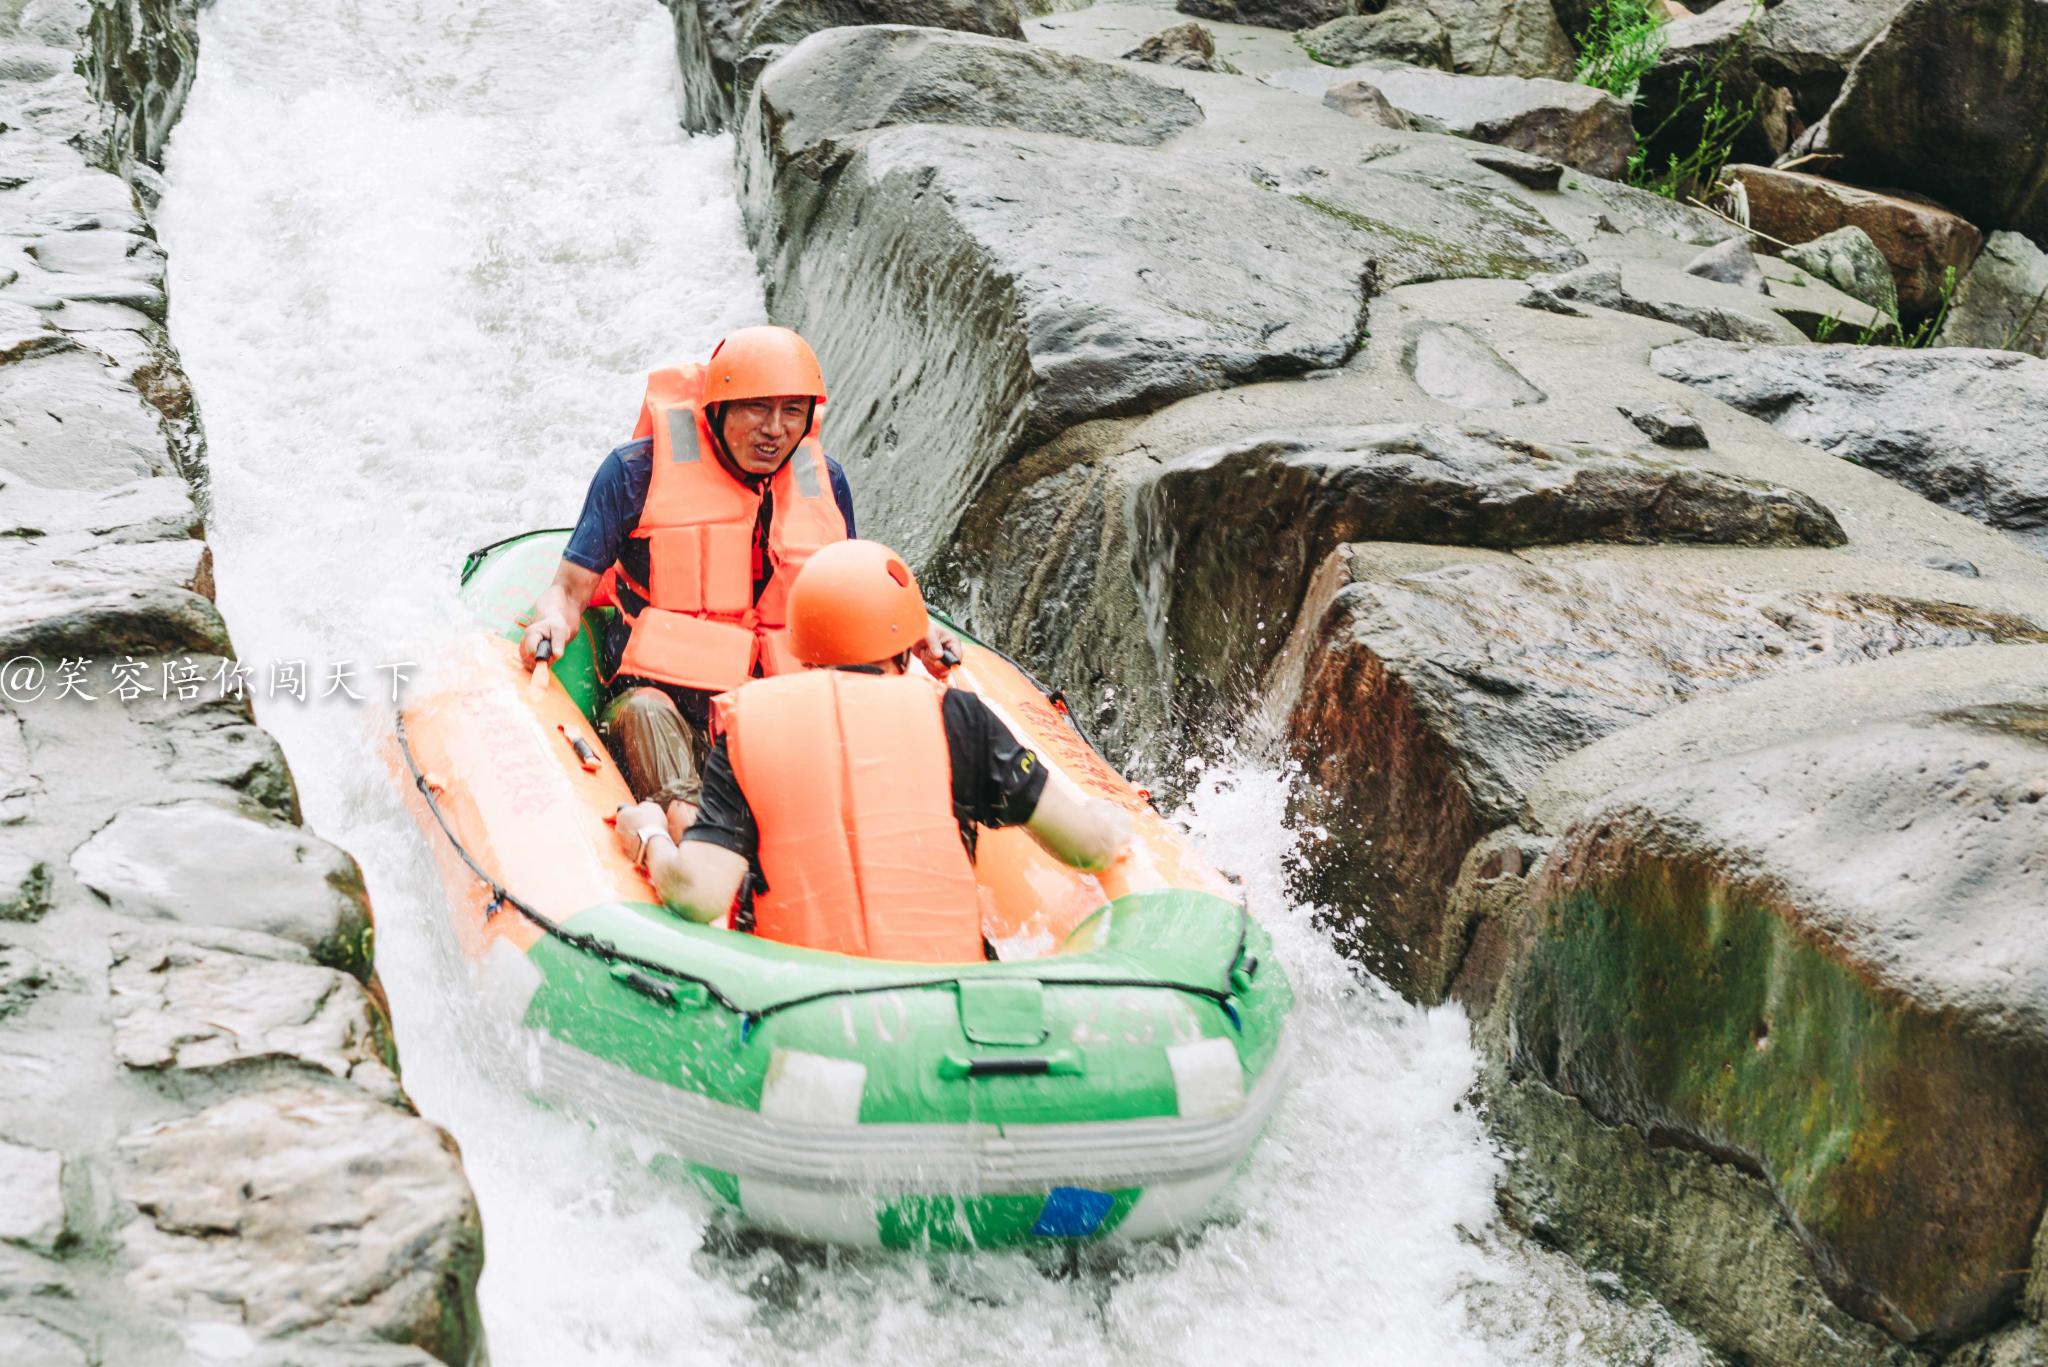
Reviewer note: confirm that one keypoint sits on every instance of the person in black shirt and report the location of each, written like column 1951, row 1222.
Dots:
column 808, row 742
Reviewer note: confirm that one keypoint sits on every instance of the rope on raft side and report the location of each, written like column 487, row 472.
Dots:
column 607, row 952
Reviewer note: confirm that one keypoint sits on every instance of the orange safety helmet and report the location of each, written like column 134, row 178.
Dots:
column 762, row 363
column 854, row 603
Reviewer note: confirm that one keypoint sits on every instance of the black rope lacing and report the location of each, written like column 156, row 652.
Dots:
column 604, row 950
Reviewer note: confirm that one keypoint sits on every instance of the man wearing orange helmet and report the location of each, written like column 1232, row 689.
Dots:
column 852, row 793
column 695, row 530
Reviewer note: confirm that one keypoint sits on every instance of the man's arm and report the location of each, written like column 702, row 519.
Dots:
column 695, row 879
column 1085, row 832
column 558, row 611
column 1006, row 785
column 611, row 507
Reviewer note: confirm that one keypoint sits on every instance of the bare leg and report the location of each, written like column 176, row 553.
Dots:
column 661, row 753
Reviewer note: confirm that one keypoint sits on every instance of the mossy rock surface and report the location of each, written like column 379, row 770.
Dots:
column 1821, row 960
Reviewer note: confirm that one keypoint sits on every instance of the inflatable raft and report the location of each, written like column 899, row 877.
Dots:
column 1104, row 1078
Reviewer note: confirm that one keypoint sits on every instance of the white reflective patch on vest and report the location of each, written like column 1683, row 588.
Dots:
column 838, row 1217
column 1207, row 1077
column 810, row 1089
column 682, row 435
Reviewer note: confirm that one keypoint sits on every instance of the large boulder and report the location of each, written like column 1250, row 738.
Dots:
column 1847, row 259
column 1925, row 244
column 2003, row 301
column 1808, row 46
column 301, row 1209
column 1426, row 690
column 207, row 865
column 1575, row 124
column 1189, row 46
column 1708, row 307
column 182, row 1004
column 1284, row 501
column 1502, row 37
column 1949, row 102
column 722, row 45
column 1818, row 960
column 986, row 245
column 1961, row 427
column 1408, row 34
column 1294, row 14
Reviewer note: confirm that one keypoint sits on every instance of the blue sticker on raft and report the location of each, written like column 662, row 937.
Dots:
column 1072, row 1213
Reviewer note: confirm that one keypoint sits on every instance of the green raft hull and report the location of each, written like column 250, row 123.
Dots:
column 1109, row 1089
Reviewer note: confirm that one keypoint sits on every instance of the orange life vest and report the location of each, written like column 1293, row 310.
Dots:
column 702, row 627
column 851, row 785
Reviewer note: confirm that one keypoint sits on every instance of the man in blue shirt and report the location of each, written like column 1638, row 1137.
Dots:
column 659, row 525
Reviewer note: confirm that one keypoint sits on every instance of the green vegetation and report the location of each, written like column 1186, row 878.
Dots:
column 1923, row 336
column 1619, row 47
column 2018, row 330
column 1620, row 44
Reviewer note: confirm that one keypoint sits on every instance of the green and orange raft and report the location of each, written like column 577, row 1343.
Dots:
column 1104, row 1078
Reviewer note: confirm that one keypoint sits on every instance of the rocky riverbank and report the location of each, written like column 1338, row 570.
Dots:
column 205, row 1150
column 1665, row 676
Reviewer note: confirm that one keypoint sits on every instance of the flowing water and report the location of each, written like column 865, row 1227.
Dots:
column 422, row 252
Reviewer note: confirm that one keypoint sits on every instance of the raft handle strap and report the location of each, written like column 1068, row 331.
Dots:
column 1065, row 1063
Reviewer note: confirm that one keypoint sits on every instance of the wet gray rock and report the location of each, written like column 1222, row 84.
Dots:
column 1731, row 263
column 304, row 1208
column 1961, row 427
column 1226, row 266
column 1822, row 312
column 1668, row 425
column 1808, row 46
column 1847, row 259
column 1878, row 876
column 1454, row 364
column 31, row 1196
column 1600, row 284
column 1285, row 501
column 1577, row 125
column 1503, row 38
column 177, row 863
column 182, row 1005
column 26, row 1340
column 1537, row 173
column 1363, row 100
column 1710, row 1238
column 67, row 421
column 1947, row 101
column 1399, row 33
column 875, row 78
column 1429, row 689
column 2003, row 301
column 24, row 976
column 1188, row 46
column 723, row 45
column 1292, row 14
